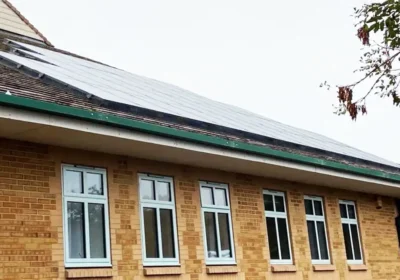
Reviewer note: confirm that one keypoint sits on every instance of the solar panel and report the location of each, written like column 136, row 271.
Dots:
column 120, row 86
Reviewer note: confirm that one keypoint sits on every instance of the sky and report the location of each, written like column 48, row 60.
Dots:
column 268, row 57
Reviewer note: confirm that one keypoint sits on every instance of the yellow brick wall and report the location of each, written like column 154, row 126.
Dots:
column 31, row 235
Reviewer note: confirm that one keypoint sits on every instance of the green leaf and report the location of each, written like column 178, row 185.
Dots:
column 374, row 27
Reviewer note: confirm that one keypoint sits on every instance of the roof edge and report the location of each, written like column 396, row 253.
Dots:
column 187, row 121
column 111, row 120
column 24, row 19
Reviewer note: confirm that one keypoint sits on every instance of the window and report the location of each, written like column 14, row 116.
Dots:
column 277, row 227
column 350, row 232
column 317, row 236
column 85, row 214
column 158, row 221
column 397, row 219
column 217, row 225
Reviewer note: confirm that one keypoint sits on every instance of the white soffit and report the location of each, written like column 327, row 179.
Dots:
column 120, row 86
column 60, row 131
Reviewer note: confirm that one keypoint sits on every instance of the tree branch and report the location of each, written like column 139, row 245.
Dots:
column 371, row 72
column 372, row 87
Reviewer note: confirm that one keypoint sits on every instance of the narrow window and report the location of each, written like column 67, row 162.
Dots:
column 158, row 220
column 277, row 227
column 217, row 223
column 85, row 214
column 350, row 232
column 397, row 219
column 316, row 227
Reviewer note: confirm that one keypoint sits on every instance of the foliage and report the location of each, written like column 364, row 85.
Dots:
column 380, row 63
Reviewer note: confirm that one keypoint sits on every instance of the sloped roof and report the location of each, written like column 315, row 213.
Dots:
column 16, row 24
column 116, row 89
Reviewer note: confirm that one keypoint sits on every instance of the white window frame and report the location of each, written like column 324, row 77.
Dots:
column 217, row 209
column 351, row 221
column 314, row 218
column 156, row 204
column 86, row 198
column 281, row 215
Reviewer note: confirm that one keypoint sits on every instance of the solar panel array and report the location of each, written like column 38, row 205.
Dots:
column 120, row 86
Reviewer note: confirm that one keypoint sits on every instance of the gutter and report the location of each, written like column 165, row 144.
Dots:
column 111, row 120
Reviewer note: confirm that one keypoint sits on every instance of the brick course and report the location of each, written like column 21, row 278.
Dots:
column 31, row 233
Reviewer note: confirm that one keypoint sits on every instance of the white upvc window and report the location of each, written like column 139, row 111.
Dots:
column 317, row 235
column 277, row 227
column 217, row 223
column 158, row 221
column 85, row 217
column 351, row 232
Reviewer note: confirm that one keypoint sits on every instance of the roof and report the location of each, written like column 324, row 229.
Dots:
column 26, row 21
column 82, row 83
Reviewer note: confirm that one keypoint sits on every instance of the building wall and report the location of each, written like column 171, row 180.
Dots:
column 31, row 234
column 11, row 22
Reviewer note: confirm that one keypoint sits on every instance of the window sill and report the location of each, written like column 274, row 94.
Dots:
column 324, row 267
column 357, row 267
column 155, row 264
column 222, row 270
column 88, row 273
column 157, row 271
column 283, row 268
column 217, row 262
column 77, row 265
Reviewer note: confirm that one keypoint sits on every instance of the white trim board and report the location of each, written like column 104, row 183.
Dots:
column 50, row 129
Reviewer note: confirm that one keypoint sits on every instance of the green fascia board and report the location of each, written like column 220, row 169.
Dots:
column 108, row 119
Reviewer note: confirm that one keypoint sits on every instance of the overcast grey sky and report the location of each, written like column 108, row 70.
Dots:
column 265, row 56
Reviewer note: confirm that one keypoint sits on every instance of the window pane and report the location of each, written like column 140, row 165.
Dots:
column 312, row 238
column 167, row 233
column 397, row 219
column 268, row 203
column 147, row 189
column 318, row 208
column 224, row 236
column 272, row 239
column 207, row 196
column 279, row 204
column 343, row 211
column 283, row 239
column 73, row 181
column 220, row 197
column 323, row 246
column 352, row 212
column 150, row 232
column 309, row 207
column 97, row 231
column 163, row 191
column 76, row 230
column 356, row 242
column 211, row 235
column 94, row 183
column 347, row 241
